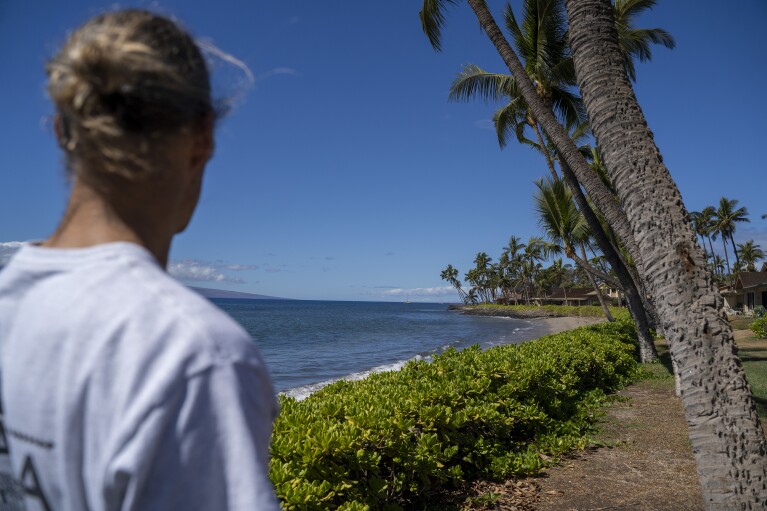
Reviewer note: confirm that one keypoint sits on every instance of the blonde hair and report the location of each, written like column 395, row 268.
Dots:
column 122, row 83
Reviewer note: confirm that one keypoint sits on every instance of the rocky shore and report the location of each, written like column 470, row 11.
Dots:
column 480, row 310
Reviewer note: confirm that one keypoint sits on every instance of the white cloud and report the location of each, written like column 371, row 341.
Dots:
column 277, row 71
column 420, row 291
column 191, row 270
column 7, row 249
column 239, row 267
column 756, row 230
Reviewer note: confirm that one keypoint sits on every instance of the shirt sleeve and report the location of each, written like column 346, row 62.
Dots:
column 207, row 448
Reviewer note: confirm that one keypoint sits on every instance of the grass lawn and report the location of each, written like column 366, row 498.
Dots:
column 752, row 352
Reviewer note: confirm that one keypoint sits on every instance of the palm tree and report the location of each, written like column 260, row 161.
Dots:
column 718, row 264
column 509, row 267
column 707, row 219
column 727, row 216
column 725, row 431
column 542, row 41
column 750, row 253
column 635, row 42
column 450, row 275
column 699, row 224
column 479, row 276
column 565, row 225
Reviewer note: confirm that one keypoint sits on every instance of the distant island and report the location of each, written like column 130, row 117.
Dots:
column 220, row 293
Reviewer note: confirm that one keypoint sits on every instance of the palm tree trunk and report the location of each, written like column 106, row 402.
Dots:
column 637, row 306
column 599, row 292
column 593, row 272
column 549, row 161
column 599, row 193
column 711, row 246
column 726, row 257
column 705, row 252
column 734, row 249
column 725, row 430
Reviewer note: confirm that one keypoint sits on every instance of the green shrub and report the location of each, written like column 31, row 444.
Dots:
column 389, row 440
column 759, row 327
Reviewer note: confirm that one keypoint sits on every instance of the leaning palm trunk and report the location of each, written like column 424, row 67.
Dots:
column 599, row 193
column 725, row 431
column 598, row 291
column 711, row 246
column 549, row 160
column 588, row 268
column 636, row 305
column 726, row 257
column 734, row 249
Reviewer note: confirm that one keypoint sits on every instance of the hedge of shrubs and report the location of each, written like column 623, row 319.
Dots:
column 389, row 441
column 759, row 327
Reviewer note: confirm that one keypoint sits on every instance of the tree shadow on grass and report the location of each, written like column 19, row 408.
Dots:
column 665, row 358
column 761, row 406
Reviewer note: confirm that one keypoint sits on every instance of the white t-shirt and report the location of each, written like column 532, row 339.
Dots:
column 124, row 390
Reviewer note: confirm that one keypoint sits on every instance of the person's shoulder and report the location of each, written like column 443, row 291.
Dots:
column 193, row 324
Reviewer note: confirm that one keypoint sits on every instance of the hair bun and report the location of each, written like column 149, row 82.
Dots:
column 123, row 79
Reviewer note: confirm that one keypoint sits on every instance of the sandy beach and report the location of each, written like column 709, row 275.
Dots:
column 556, row 325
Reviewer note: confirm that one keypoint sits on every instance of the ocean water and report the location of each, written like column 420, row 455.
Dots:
column 308, row 344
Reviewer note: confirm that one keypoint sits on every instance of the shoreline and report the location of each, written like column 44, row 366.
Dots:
column 555, row 325
column 541, row 326
column 552, row 322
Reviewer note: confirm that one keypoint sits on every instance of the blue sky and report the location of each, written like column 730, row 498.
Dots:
column 344, row 173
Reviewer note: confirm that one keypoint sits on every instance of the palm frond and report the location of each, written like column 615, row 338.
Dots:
column 580, row 134
column 517, row 36
column 473, row 82
column 510, row 119
column 635, row 43
column 563, row 72
column 568, row 107
column 433, row 19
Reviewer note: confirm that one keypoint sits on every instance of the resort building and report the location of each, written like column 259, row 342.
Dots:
column 749, row 292
column 581, row 296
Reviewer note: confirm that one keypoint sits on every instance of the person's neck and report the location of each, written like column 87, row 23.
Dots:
column 91, row 220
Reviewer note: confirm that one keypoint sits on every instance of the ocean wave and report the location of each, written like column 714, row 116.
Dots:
column 304, row 391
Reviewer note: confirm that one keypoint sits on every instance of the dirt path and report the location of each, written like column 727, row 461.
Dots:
column 643, row 460
column 648, row 467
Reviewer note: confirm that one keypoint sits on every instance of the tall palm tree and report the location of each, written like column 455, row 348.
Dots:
column 718, row 264
column 750, row 253
column 707, row 219
column 450, row 275
column 564, row 224
column 541, row 39
column 479, row 276
column 635, row 42
column 728, row 215
column 699, row 224
column 725, row 431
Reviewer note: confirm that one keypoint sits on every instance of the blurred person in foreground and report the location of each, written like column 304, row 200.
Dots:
column 121, row 388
